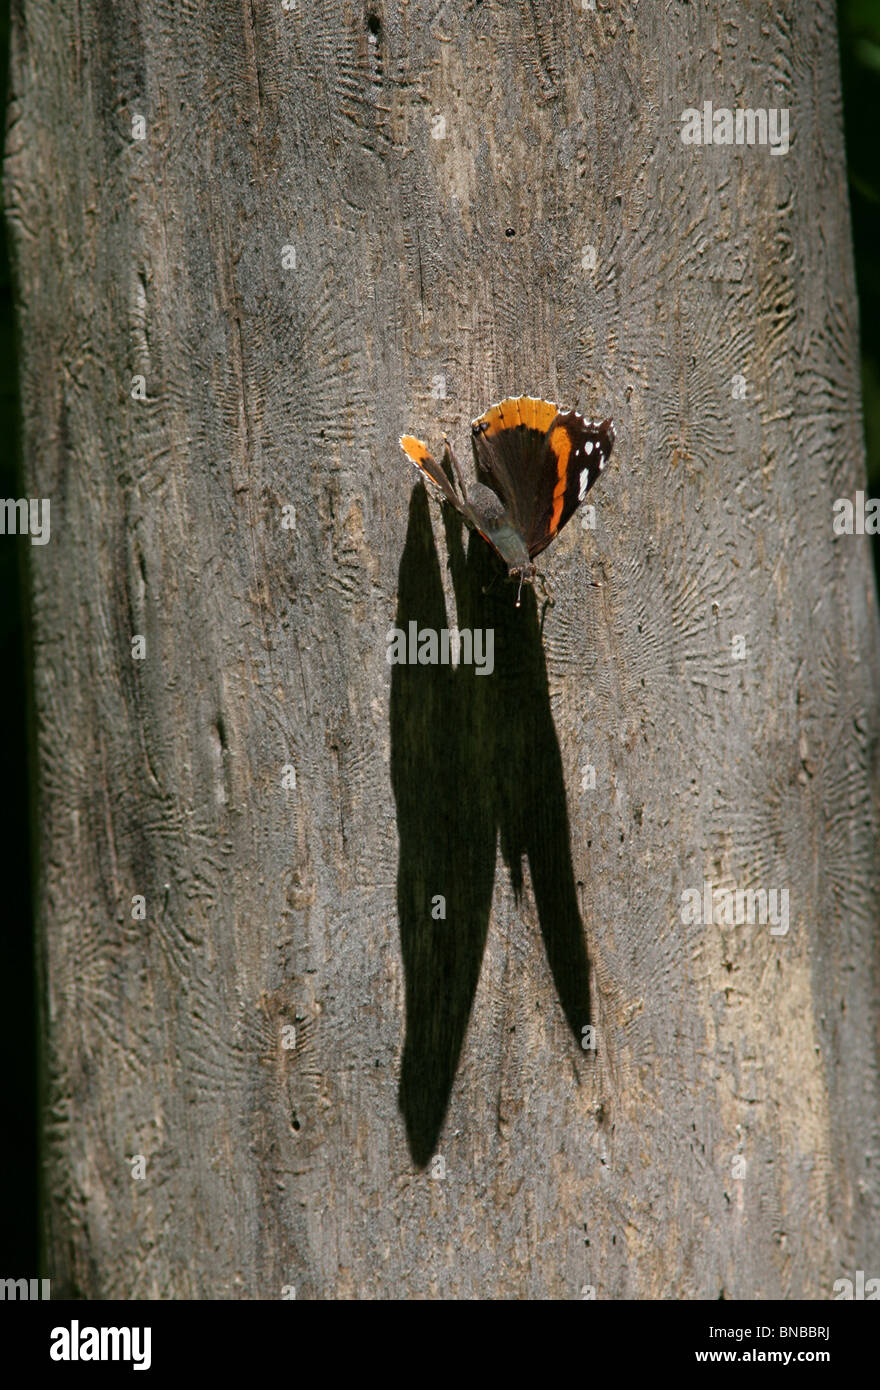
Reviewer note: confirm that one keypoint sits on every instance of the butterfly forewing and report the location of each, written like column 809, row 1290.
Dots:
column 575, row 453
column 417, row 453
column 509, row 441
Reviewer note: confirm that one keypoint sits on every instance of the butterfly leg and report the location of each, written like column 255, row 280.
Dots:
column 548, row 592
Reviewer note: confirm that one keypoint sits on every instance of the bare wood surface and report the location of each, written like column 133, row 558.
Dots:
column 442, row 173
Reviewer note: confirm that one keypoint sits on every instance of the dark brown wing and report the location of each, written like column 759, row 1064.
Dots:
column 508, row 442
column 575, row 453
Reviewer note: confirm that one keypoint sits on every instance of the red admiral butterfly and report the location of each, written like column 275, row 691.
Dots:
column 535, row 464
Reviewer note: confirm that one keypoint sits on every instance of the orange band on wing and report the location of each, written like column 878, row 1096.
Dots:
column 535, row 414
column 560, row 445
column 414, row 448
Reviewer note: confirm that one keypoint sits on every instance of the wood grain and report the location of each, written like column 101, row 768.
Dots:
column 432, row 276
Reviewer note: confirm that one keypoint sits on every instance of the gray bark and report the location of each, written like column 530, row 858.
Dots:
column 454, row 251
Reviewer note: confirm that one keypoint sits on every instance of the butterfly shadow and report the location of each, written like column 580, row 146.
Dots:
column 474, row 758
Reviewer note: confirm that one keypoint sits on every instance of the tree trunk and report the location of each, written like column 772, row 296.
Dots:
column 253, row 246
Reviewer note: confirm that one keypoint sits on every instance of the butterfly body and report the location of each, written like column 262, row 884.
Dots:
column 535, row 464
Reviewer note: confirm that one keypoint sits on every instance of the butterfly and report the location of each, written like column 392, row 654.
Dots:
column 535, row 464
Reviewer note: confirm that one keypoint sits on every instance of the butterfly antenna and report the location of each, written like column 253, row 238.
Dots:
column 519, row 590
